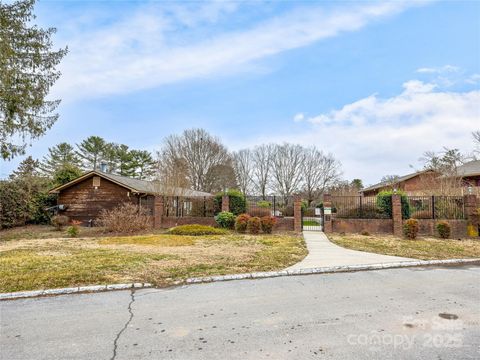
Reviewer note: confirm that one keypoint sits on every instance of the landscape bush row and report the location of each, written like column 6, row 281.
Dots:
column 245, row 223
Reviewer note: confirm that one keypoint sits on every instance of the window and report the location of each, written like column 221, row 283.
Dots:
column 96, row 181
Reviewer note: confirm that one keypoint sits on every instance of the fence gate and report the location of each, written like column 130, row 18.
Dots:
column 312, row 219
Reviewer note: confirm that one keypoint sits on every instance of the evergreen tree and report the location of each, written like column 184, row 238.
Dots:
column 27, row 71
column 92, row 150
column 143, row 164
column 66, row 174
column 60, row 156
column 126, row 165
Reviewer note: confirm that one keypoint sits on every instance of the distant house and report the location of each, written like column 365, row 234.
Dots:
column 470, row 173
column 410, row 183
column 86, row 196
column 424, row 181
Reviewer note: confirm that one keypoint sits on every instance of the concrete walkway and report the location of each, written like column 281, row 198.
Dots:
column 322, row 252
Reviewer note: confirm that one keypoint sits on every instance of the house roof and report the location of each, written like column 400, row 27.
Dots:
column 471, row 168
column 397, row 181
column 134, row 185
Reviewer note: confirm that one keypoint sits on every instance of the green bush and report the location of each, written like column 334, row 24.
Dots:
column 267, row 223
column 225, row 220
column 264, row 204
column 443, row 229
column 384, row 203
column 253, row 225
column 73, row 231
column 241, row 222
column 196, row 230
column 238, row 203
column 410, row 228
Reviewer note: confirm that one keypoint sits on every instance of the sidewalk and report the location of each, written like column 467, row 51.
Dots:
column 322, row 252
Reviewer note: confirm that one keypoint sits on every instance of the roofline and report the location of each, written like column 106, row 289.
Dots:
column 57, row 189
column 403, row 178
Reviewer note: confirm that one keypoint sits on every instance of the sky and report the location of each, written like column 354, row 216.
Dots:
column 374, row 83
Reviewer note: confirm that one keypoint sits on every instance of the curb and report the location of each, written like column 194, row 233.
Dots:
column 330, row 269
column 256, row 275
column 73, row 290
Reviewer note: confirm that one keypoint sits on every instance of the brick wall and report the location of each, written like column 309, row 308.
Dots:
column 285, row 224
column 427, row 227
column 373, row 226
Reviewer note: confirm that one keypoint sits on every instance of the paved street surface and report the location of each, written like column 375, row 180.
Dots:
column 322, row 252
column 417, row 313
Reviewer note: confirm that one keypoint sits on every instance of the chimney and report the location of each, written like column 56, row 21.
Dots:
column 103, row 167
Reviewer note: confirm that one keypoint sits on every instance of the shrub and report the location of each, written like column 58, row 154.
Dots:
column 264, row 204
column 196, row 230
column 225, row 220
column 444, row 229
column 74, row 229
column 125, row 218
column 241, row 222
column 410, row 228
column 267, row 223
column 384, row 203
column 238, row 203
column 59, row 221
column 365, row 233
column 253, row 225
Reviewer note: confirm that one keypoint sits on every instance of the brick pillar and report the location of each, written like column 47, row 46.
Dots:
column 327, row 218
column 397, row 215
column 158, row 212
column 471, row 205
column 225, row 203
column 297, row 215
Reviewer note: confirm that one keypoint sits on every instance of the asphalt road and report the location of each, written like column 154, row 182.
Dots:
column 420, row 313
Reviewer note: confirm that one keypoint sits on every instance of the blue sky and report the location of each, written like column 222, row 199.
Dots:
column 374, row 83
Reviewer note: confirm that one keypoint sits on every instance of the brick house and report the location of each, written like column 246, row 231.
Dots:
column 86, row 196
column 424, row 181
column 410, row 183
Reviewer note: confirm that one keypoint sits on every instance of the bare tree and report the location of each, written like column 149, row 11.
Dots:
column 243, row 166
column 199, row 152
column 287, row 164
column 476, row 141
column 262, row 157
column 445, row 167
column 320, row 171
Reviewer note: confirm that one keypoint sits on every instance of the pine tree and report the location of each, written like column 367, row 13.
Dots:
column 92, row 150
column 59, row 157
column 143, row 164
column 27, row 71
column 126, row 166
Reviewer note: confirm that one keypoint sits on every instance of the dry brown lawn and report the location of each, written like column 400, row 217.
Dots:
column 425, row 248
column 29, row 263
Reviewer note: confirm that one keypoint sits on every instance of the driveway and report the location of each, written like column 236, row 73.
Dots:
column 416, row 313
column 322, row 252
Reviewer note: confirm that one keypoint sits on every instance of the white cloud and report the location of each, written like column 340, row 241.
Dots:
column 151, row 48
column 376, row 136
column 439, row 70
column 299, row 117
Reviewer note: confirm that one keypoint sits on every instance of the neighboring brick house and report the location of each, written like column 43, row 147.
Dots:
column 86, row 196
column 423, row 181
column 470, row 173
column 410, row 183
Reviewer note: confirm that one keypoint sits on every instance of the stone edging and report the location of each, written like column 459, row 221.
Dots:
column 331, row 269
column 256, row 275
column 73, row 290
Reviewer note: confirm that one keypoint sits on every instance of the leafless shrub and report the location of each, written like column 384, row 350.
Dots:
column 126, row 218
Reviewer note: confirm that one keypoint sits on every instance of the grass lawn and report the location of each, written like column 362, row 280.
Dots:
column 424, row 248
column 39, row 262
column 311, row 223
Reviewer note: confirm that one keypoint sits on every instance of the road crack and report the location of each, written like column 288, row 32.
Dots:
column 115, row 342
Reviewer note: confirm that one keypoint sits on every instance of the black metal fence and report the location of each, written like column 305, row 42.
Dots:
column 269, row 205
column 436, row 207
column 179, row 206
column 358, row 207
